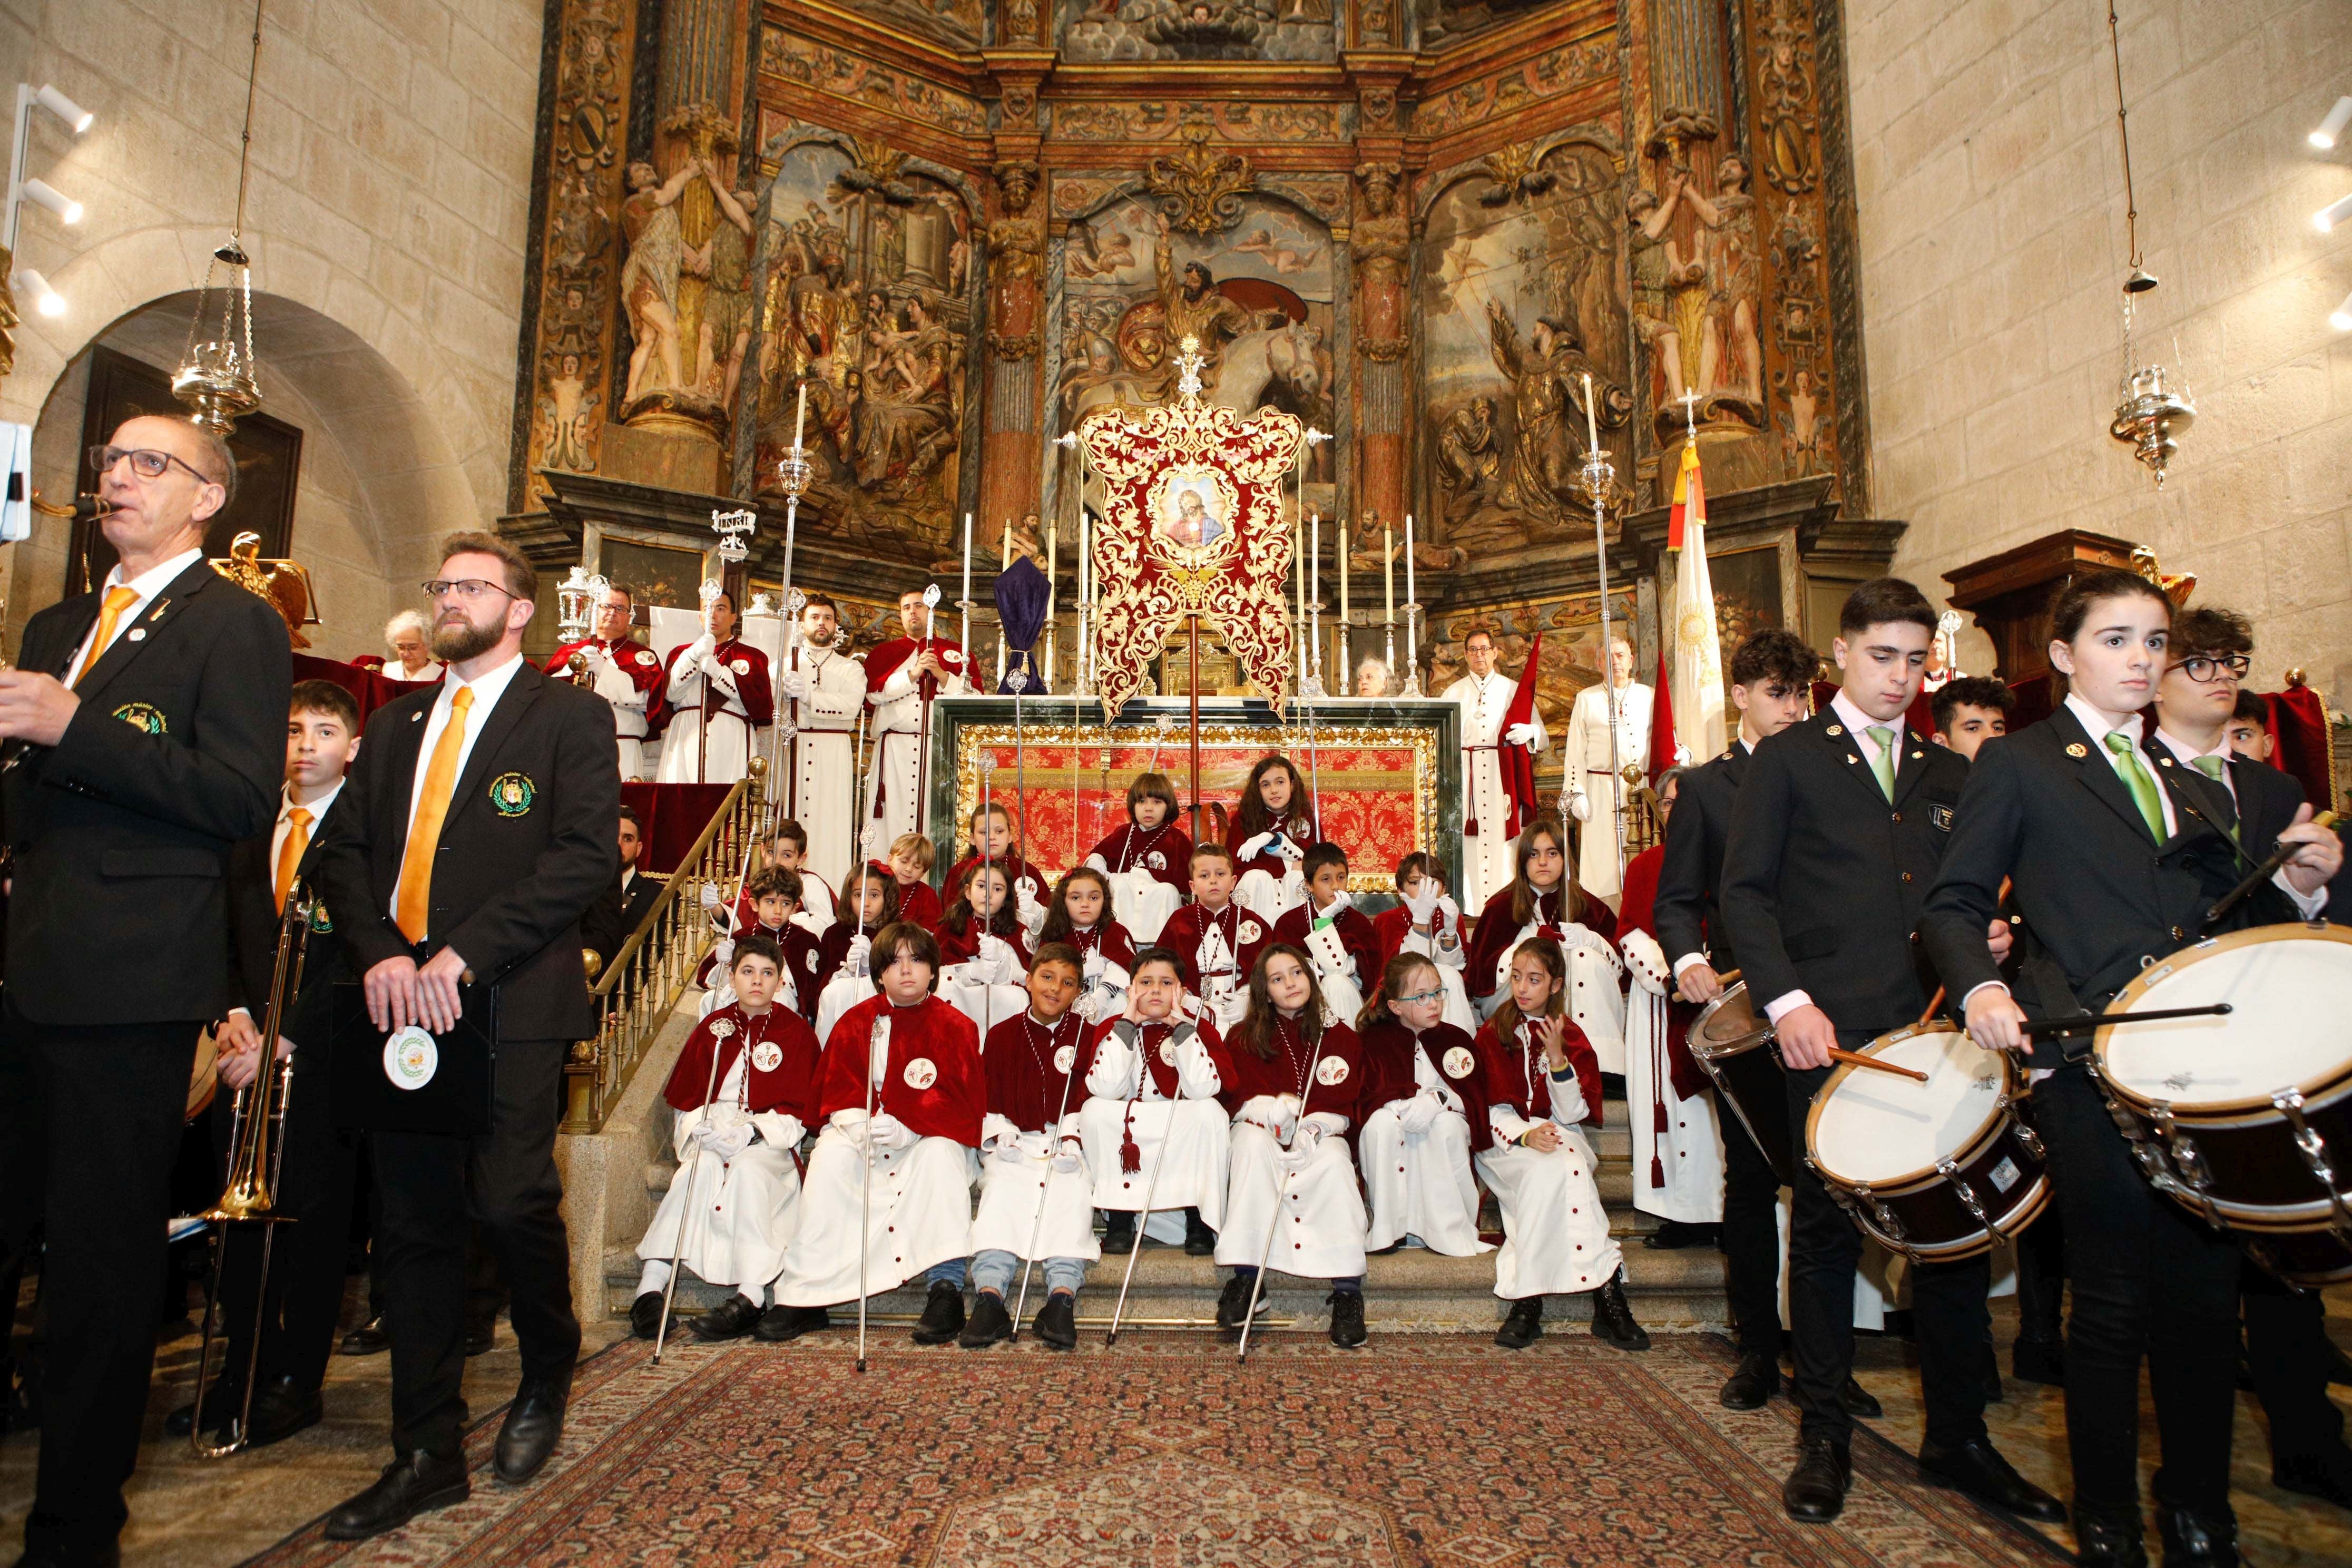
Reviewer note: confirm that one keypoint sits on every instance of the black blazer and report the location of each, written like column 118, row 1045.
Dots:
column 2100, row 898
column 616, row 915
column 124, row 828
column 1686, row 914
column 1823, row 879
column 526, row 848
column 253, row 925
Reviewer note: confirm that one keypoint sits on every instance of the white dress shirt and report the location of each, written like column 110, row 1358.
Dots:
column 147, row 585
column 488, row 688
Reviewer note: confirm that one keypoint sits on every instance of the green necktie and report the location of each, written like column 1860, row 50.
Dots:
column 2211, row 768
column 1882, row 766
column 2136, row 778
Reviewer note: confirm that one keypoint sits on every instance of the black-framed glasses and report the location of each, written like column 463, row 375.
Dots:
column 2212, row 666
column 145, row 461
column 469, row 589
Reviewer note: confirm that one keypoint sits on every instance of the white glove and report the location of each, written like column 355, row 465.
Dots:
column 724, row 1142
column 1026, row 905
column 1522, row 735
column 890, row 1132
column 716, row 667
column 1253, row 847
column 794, row 684
column 1069, row 1159
column 996, row 962
column 1289, row 850
column 861, row 952
column 1449, row 908
column 1095, row 964
column 1421, row 905
column 723, row 950
column 1097, row 863
column 1580, row 806
column 1008, row 1147
column 1285, row 1111
column 1302, row 1146
column 1339, row 900
column 1420, row 1114
column 703, row 646
column 710, row 899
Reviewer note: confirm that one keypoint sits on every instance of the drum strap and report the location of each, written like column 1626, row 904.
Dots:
column 2040, row 972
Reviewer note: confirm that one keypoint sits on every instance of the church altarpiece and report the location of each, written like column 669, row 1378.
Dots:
column 955, row 227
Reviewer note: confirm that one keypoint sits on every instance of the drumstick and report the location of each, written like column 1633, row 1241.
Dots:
column 1857, row 1060
column 1935, row 1003
column 1729, row 978
column 2262, row 873
column 2101, row 1020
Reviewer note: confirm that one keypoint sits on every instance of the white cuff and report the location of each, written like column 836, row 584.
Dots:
column 1689, row 960
column 2307, row 905
column 2000, row 986
column 1783, row 1005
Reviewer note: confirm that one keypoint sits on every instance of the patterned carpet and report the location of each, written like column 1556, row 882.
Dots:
column 1423, row 1449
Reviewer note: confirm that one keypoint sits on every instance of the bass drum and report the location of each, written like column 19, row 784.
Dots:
column 1736, row 1049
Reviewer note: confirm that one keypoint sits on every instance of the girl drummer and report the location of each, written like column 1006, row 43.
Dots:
column 2113, row 859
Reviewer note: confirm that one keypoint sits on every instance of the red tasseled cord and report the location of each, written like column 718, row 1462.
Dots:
column 1130, row 1156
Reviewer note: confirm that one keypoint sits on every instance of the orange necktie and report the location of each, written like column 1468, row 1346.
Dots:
column 413, row 904
column 289, row 854
column 118, row 599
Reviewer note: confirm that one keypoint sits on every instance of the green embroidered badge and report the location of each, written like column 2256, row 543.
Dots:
column 142, row 716
column 321, row 922
column 512, row 794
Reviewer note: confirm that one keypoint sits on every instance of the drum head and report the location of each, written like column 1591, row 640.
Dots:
column 1876, row 1128
column 2286, row 1028
column 1728, row 1023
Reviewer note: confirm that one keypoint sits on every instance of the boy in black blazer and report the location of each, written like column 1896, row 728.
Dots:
column 477, row 831
column 1835, row 838
column 1771, row 680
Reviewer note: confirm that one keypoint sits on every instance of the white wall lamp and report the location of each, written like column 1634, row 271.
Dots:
column 46, row 300
column 2341, row 318
column 2333, row 126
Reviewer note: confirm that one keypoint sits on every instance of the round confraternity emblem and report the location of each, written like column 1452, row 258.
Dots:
column 1066, row 1059
column 740, row 667
column 1458, row 1062
column 1331, row 1070
column 411, row 1059
column 1168, row 1052
column 767, row 1056
column 921, row 1074
column 512, row 794
column 1251, row 930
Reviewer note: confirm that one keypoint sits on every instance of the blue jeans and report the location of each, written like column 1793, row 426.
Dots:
column 948, row 1273
column 994, row 1269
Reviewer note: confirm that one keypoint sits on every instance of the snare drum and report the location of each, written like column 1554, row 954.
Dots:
column 2246, row 1118
column 1939, row 1171
column 1736, row 1049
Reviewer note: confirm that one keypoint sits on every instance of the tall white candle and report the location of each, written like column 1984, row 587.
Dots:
column 1345, row 548
column 799, row 418
column 1388, row 575
column 1410, row 596
column 1591, row 424
column 1315, row 582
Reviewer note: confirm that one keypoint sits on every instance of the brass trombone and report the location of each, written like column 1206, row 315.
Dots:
column 256, row 1156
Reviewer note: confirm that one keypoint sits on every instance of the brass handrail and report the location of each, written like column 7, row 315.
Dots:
column 637, row 990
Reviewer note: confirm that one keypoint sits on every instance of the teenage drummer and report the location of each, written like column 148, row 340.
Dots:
column 1836, row 837
column 2114, row 856
column 1771, row 678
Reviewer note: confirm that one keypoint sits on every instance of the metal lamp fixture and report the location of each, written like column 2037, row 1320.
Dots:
column 2333, row 126
column 2154, row 412
column 215, row 377
column 46, row 300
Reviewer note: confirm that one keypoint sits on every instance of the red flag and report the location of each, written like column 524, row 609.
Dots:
column 1518, row 762
column 1661, row 723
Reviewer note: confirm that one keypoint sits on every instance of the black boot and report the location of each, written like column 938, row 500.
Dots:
column 2195, row 1538
column 2327, row 1478
column 407, row 1487
column 2104, row 1541
column 1118, row 1232
column 1524, row 1324
column 730, row 1320
column 1057, row 1322
column 990, row 1322
column 1233, row 1302
column 942, row 1315
column 1751, row 1387
column 220, row 1409
column 646, row 1314
column 781, row 1324
column 1200, row 1241
column 1346, row 1319
column 1814, row 1492
column 1612, row 1318
column 1674, row 1233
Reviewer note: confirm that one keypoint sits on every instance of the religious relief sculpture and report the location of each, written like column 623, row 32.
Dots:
column 1550, row 407
column 1200, row 188
column 1698, row 269
column 1198, row 29
column 1016, row 245
column 686, row 276
column 1382, row 248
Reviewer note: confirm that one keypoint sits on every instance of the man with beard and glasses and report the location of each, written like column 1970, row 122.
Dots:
column 477, row 831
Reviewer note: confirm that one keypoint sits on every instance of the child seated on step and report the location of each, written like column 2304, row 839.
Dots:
column 1427, row 921
column 1542, row 1085
column 1338, row 941
column 1542, row 900
column 900, row 1099
column 992, row 843
column 1269, row 836
column 775, row 898
column 1080, row 915
column 786, row 849
column 1151, row 1124
column 912, row 855
column 1292, row 1203
column 1149, row 860
column 1426, row 1116
column 1208, row 934
column 844, row 963
column 983, row 949
column 1037, row 1202
column 736, row 1143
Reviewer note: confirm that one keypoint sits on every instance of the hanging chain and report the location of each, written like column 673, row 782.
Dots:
column 245, row 149
column 2131, row 206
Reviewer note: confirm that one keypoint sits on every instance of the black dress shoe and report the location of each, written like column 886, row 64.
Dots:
column 1346, row 1319
column 1613, row 1317
column 2039, row 1360
column 51, row 1555
column 1523, row 1325
column 942, row 1315
column 2109, row 1542
column 1673, row 1235
column 2194, row 1538
column 1200, row 1241
column 730, row 1320
column 481, row 1337
column 533, row 1426
column 780, row 1323
column 1977, row 1469
column 282, row 1407
column 1233, row 1302
column 2328, row 1480
column 220, row 1409
column 646, row 1313
column 1057, row 1321
column 1751, row 1387
column 1814, row 1492
column 1118, row 1234
column 1859, row 1402
column 368, row 1338
column 407, row 1487
column 990, row 1322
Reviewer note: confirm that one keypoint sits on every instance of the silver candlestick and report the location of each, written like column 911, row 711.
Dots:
column 1599, row 475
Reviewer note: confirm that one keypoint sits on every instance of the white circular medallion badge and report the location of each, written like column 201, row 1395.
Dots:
column 767, row 1056
column 411, row 1059
column 740, row 667
column 1458, row 1062
column 1251, row 930
column 1066, row 1059
column 1331, row 1070
column 1168, row 1052
column 1156, row 860
column 921, row 1074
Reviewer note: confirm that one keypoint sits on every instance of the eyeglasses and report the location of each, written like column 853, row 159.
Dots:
column 469, row 589
column 145, row 461
column 2207, row 667
column 1424, row 995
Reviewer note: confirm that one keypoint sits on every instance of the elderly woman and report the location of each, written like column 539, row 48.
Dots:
column 1372, row 678
column 412, row 655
